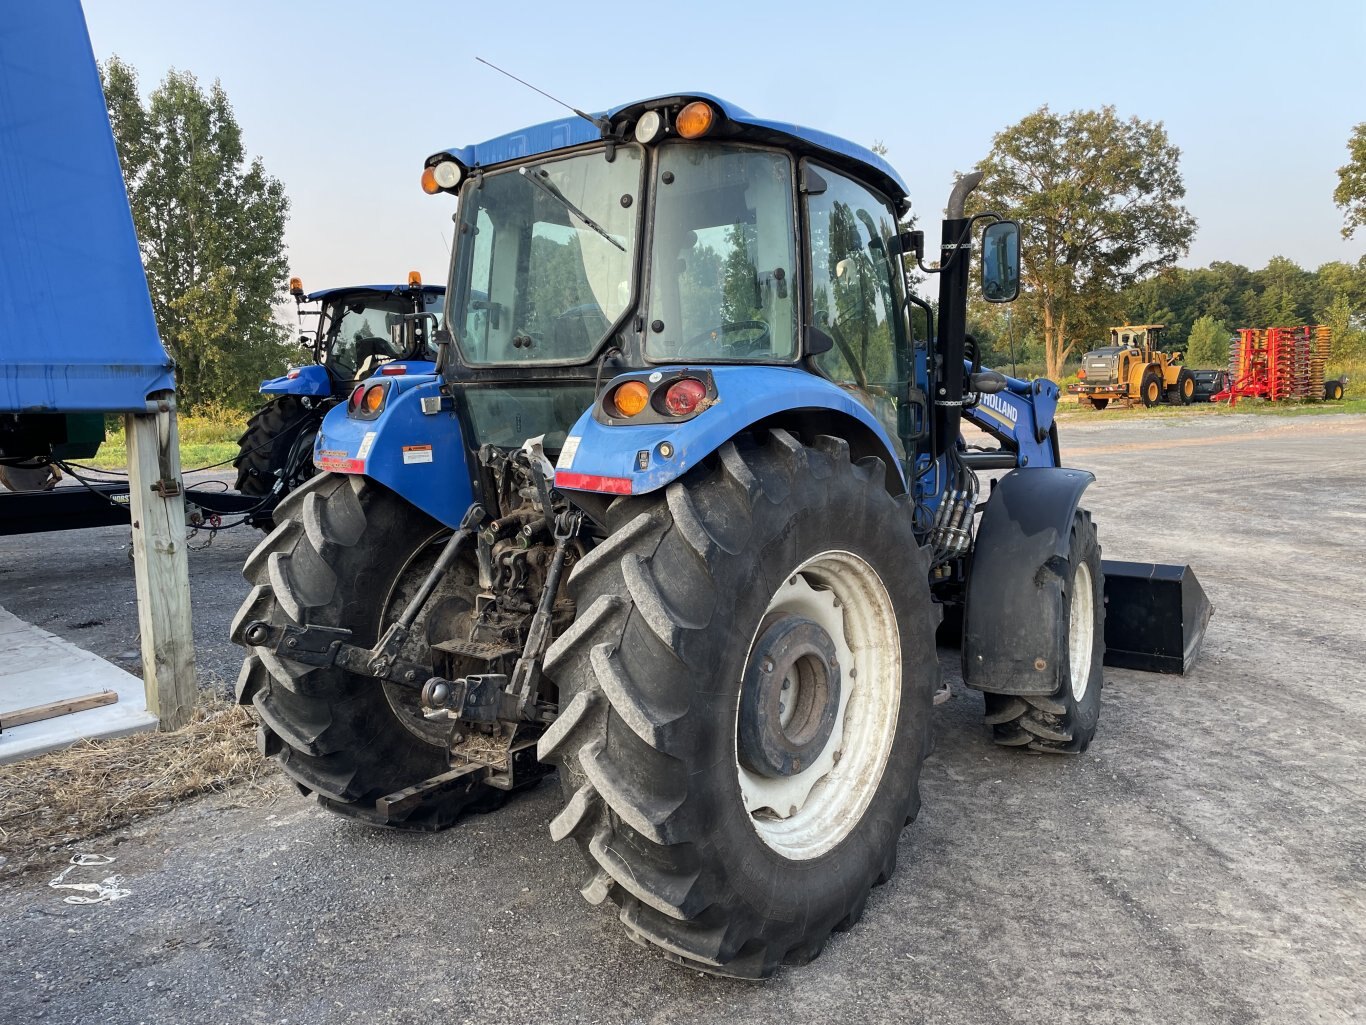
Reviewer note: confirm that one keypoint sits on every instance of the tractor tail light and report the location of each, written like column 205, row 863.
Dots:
column 373, row 400
column 630, row 398
column 354, row 402
column 684, row 395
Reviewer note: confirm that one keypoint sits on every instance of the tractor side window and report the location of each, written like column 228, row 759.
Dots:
column 722, row 258
column 853, row 294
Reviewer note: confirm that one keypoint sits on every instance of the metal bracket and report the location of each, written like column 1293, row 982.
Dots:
column 166, row 488
column 325, row 646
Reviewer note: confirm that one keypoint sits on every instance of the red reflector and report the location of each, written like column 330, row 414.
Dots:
column 341, row 465
column 592, row 482
column 684, row 395
column 393, row 371
column 355, row 396
column 291, row 375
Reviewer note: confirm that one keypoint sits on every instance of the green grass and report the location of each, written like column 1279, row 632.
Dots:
column 206, row 437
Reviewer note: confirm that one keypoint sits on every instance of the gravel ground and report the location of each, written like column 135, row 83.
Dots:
column 1203, row 862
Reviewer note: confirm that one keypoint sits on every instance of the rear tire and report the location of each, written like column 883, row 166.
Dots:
column 278, row 437
column 670, row 607
column 1150, row 388
column 335, row 558
column 1334, row 391
column 1065, row 721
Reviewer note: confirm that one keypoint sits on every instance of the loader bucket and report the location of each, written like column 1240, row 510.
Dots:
column 1155, row 616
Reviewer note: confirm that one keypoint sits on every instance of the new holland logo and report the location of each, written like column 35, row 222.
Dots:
column 1002, row 408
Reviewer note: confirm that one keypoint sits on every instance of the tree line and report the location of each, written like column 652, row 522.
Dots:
column 1099, row 198
column 1202, row 308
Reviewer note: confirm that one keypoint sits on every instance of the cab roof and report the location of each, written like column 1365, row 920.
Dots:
column 326, row 293
column 576, row 131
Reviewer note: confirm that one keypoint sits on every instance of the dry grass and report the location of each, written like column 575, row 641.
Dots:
column 97, row 786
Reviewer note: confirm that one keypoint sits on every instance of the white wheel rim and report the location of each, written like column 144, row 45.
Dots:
column 1081, row 624
column 804, row 815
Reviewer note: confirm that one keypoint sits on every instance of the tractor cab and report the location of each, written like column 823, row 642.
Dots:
column 679, row 232
column 355, row 329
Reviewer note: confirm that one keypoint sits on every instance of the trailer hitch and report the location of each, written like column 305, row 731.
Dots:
column 491, row 697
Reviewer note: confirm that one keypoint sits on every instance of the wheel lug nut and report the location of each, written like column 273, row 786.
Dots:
column 787, row 684
column 767, row 665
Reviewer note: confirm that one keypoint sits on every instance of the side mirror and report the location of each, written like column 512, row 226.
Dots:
column 1001, row 262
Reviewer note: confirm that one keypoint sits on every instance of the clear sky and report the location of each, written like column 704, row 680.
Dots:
column 344, row 100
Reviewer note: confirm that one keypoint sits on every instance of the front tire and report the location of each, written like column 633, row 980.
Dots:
column 1065, row 721
column 1185, row 387
column 1150, row 388
column 655, row 678
column 343, row 548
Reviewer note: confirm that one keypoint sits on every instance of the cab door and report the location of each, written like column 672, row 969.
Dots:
column 854, row 294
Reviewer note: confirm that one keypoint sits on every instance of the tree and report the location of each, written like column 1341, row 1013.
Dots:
column 1207, row 345
column 211, row 228
column 1098, row 201
column 1350, row 194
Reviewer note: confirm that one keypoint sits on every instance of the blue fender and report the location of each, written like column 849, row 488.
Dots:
column 311, row 380
column 418, row 454
column 635, row 459
column 1014, row 618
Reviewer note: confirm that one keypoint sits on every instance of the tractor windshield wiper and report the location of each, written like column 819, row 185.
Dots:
column 535, row 176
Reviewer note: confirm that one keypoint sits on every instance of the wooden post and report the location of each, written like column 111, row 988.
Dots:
column 160, row 563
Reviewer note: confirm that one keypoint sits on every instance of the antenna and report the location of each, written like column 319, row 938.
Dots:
column 602, row 124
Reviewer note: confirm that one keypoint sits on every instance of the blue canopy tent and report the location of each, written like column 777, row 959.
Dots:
column 76, row 326
column 77, row 334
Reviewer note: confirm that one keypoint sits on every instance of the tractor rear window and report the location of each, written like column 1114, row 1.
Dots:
column 546, row 258
column 507, row 415
column 356, row 332
column 723, row 262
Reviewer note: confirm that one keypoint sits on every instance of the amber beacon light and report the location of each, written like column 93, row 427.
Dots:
column 695, row 120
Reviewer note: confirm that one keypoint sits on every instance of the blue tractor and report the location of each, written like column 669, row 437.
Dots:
column 680, row 513
column 356, row 332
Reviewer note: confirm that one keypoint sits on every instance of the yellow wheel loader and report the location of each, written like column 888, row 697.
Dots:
column 1134, row 366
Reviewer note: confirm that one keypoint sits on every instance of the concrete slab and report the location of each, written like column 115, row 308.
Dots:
column 37, row 667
